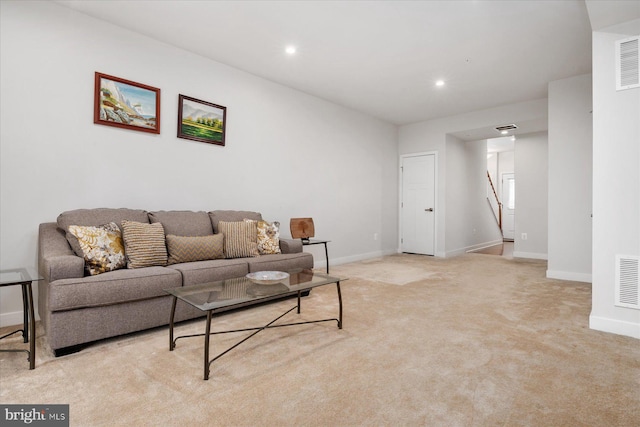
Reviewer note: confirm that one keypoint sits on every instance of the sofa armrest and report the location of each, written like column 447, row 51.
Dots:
column 56, row 260
column 290, row 246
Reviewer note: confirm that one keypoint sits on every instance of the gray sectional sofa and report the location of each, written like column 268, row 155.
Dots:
column 77, row 309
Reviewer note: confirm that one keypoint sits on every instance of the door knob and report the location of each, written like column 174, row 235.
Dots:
column 429, row 210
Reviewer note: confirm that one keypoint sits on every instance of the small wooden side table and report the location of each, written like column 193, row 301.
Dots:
column 308, row 242
column 23, row 277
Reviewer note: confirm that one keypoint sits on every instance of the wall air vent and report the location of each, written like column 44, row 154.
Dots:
column 627, row 281
column 506, row 128
column 627, row 63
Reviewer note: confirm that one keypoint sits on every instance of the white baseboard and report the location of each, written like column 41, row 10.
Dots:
column 614, row 326
column 529, row 255
column 455, row 252
column 13, row 318
column 461, row 251
column 438, row 254
column 569, row 275
column 353, row 258
column 483, row 245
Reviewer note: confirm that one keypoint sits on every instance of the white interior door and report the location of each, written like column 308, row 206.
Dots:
column 418, row 204
column 508, row 205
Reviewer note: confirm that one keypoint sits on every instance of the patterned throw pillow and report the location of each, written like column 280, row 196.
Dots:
column 194, row 248
column 268, row 237
column 240, row 238
column 101, row 247
column 144, row 244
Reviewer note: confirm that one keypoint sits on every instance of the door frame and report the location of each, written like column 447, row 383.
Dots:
column 436, row 206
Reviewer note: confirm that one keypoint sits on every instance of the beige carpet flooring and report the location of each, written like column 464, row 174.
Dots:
column 476, row 340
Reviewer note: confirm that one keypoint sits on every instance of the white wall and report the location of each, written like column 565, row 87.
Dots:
column 432, row 136
column 470, row 221
column 287, row 154
column 482, row 226
column 531, row 171
column 456, row 199
column 570, row 176
column 616, row 181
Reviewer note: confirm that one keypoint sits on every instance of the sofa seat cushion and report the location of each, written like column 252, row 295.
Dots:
column 194, row 273
column 281, row 262
column 183, row 223
column 114, row 287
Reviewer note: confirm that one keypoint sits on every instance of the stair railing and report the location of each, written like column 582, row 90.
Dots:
column 497, row 200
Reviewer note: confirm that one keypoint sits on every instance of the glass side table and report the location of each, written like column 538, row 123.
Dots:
column 308, row 242
column 23, row 277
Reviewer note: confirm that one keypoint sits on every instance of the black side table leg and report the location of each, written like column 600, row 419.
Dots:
column 172, row 344
column 326, row 255
column 25, row 313
column 207, row 336
column 340, row 304
column 32, row 328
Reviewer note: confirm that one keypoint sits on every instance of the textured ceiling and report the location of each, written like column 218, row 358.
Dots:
column 379, row 57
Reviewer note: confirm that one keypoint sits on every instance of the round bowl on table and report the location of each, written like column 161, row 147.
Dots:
column 267, row 277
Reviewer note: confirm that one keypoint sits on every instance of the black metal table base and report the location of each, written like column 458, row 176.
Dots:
column 207, row 334
column 309, row 242
column 28, row 327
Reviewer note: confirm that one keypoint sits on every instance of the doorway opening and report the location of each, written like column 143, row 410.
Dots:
column 501, row 183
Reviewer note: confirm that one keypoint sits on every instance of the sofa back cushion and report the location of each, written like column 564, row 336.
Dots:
column 96, row 217
column 231, row 216
column 183, row 223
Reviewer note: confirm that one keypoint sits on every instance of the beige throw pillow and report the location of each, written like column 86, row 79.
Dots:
column 194, row 248
column 101, row 246
column 268, row 237
column 144, row 244
column 240, row 238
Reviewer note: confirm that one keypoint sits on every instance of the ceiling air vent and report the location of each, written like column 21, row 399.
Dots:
column 627, row 281
column 504, row 129
column 627, row 63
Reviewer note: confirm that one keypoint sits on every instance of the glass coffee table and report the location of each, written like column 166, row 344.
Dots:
column 243, row 291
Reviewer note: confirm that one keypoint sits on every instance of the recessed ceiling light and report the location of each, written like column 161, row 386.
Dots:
column 290, row 50
column 504, row 132
column 440, row 83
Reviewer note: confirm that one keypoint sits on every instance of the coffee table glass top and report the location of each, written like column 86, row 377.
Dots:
column 18, row 275
column 225, row 293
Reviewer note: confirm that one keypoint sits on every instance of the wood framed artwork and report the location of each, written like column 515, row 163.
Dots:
column 126, row 104
column 201, row 121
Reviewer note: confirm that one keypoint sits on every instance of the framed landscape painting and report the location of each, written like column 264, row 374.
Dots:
column 126, row 104
column 201, row 121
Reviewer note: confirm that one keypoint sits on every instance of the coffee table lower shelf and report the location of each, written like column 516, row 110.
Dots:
column 207, row 334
